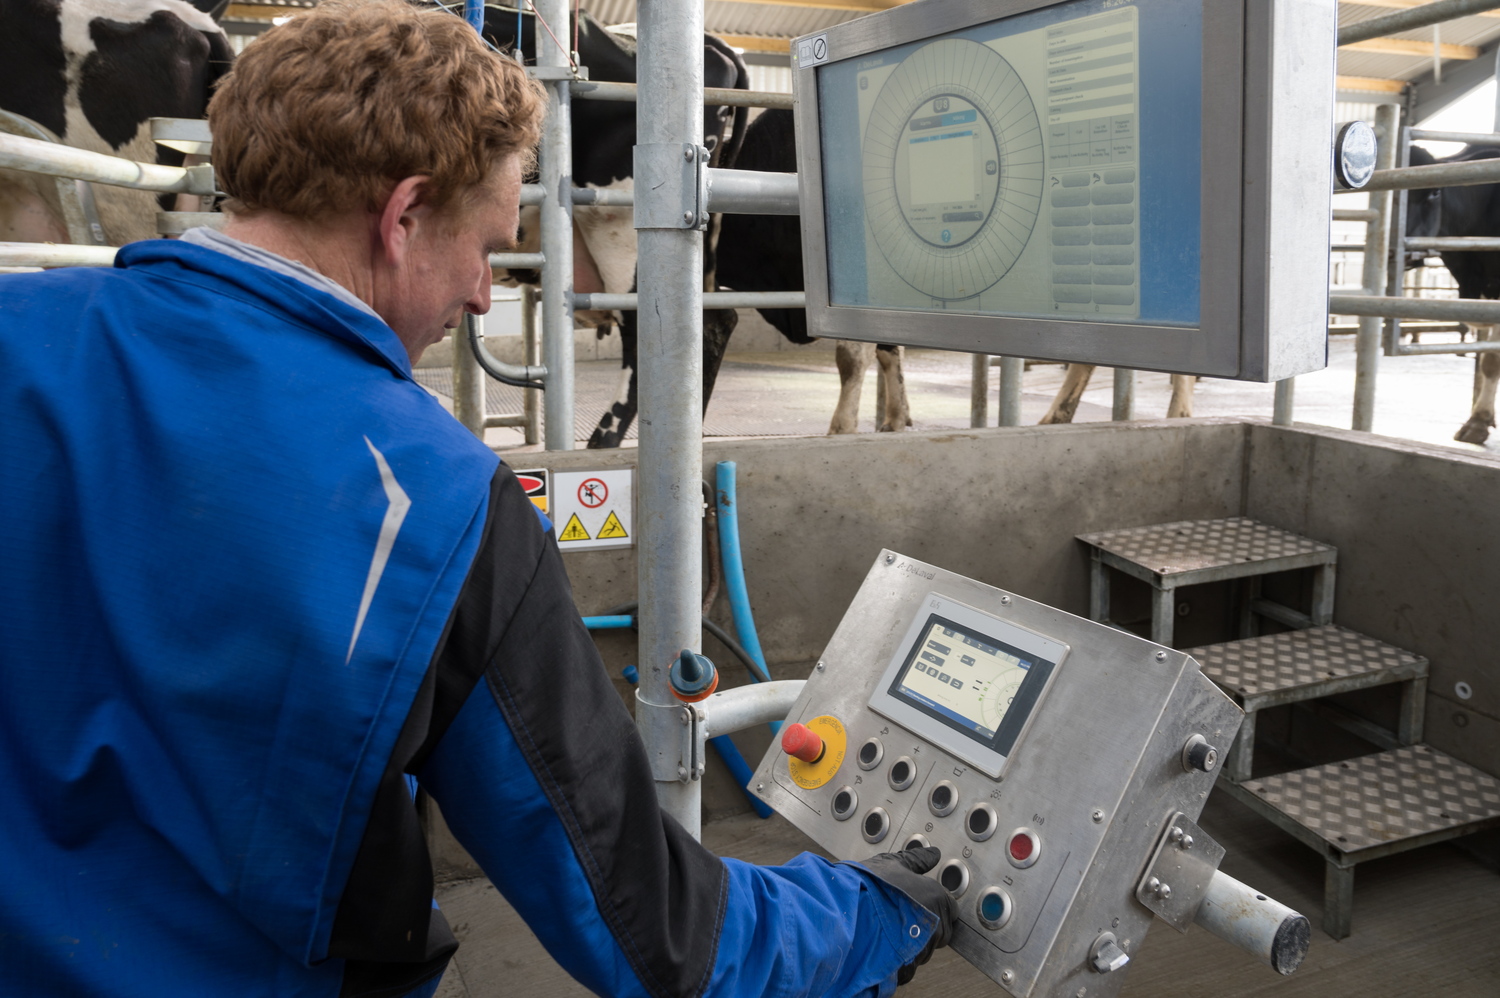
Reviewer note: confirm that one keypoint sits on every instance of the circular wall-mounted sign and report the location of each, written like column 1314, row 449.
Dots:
column 953, row 168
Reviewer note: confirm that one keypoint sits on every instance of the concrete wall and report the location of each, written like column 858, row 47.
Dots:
column 1417, row 529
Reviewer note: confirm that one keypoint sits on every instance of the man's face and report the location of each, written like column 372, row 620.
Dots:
column 447, row 271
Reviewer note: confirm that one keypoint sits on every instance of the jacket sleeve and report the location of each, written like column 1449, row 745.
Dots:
column 541, row 775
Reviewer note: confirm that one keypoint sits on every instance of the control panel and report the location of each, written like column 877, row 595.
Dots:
column 1045, row 756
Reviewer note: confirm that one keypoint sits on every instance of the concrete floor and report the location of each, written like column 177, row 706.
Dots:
column 1425, row 923
column 793, row 392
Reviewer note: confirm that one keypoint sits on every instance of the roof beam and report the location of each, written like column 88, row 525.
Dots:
column 757, row 43
column 1367, row 84
column 1429, row 97
column 859, row 5
column 1408, row 46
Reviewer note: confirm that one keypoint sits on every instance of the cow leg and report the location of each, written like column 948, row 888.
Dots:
column 1477, row 429
column 1181, row 405
column 616, row 420
column 718, row 324
column 853, row 359
column 1065, row 404
column 897, row 414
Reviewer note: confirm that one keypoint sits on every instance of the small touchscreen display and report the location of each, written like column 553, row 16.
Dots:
column 971, row 682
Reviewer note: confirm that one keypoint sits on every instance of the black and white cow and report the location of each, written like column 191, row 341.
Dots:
column 93, row 72
column 1465, row 211
column 604, row 246
column 764, row 253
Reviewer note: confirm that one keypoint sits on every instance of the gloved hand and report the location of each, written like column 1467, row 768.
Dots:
column 903, row 871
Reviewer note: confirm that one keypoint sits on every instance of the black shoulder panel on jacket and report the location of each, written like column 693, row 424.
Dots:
column 661, row 893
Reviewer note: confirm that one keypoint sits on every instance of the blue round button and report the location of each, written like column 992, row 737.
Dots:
column 947, row 236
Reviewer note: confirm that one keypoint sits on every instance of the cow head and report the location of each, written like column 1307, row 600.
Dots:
column 1424, row 208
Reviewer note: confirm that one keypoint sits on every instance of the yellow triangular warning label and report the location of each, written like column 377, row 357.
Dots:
column 612, row 527
column 574, row 530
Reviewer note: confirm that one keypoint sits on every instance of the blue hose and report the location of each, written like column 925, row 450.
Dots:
column 728, row 752
column 474, row 14
column 734, row 569
column 613, row 622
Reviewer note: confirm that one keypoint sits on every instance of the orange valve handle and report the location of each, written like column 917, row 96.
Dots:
column 800, row 742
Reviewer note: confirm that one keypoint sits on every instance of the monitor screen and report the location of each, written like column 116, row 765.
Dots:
column 970, row 681
column 1041, row 165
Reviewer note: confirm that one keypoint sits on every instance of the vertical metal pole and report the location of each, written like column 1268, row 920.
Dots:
column 468, row 378
column 979, row 390
column 556, row 175
column 670, row 281
column 1281, row 409
column 531, row 346
column 1011, row 370
column 1377, row 243
column 1124, row 407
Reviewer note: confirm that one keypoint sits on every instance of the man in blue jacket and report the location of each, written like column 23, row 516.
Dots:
column 253, row 577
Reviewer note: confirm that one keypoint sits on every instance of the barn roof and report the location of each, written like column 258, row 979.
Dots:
column 1400, row 68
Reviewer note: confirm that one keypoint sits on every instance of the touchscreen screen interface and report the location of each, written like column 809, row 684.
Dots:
column 971, row 682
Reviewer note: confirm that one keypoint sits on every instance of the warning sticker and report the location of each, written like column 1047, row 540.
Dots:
column 574, row 531
column 595, row 508
column 534, row 481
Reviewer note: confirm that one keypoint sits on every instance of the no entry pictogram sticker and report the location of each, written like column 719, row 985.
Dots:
column 592, row 493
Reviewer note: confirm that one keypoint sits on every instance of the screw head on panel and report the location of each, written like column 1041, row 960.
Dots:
column 687, row 216
column 682, row 772
column 760, row 788
column 890, row 559
column 1097, row 814
column 1161, row 656
column 1005, row 601
column 687, row 154
column 1006, row 976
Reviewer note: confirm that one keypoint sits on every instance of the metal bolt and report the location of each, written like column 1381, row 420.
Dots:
column 890, row 559
column 1097, row 815
column 1187, row 842
column 687, row 216
column 687, row 154
column 1114, row 923
column 1006, row 976
column 1175, row 834
column 1153, row 885
column 1005, row 601
column 682, row 772
column 1164, row 892
column 1161, row 656
column 682, row 716
column 820, row 666
column 760, row 788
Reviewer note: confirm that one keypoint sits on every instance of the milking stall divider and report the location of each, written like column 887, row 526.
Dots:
column 1045, row 668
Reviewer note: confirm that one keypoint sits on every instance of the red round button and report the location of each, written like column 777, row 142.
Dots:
column 800, row 742
column 1020, row 847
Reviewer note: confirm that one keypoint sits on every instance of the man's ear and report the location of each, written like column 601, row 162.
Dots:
column 404, row 213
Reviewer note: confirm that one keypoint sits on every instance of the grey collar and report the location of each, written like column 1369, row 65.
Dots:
column 246, row 253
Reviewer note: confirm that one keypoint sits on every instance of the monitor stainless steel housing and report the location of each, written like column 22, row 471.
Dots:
column 1137, row 184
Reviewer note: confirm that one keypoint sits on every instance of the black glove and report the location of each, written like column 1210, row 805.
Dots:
column 903, row 871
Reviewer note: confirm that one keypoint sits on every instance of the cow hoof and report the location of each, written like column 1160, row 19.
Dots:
column 603, row 441
column 891, row 427
column 1475, row 431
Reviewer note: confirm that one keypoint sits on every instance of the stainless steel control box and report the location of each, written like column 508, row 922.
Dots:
column 1046, row 859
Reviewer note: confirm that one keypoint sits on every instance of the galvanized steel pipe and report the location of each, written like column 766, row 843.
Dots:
column 1471, row 174
column 748, row 192
column 1012, row 369
column 555, row 167
column 710, row 299
column 1123, row 409
column 1469, row 138
column 468, row 377
column 747, row 706
column 1453, row 244
column 979, row 390
column 53, row 160
column 1377, row 241
column 670, row 372
column 712, row 96
column 1424, row 16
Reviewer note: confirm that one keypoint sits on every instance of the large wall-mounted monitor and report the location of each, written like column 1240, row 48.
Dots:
column 1142, row 184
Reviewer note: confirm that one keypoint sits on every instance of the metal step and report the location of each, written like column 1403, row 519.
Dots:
column 1372, row 806
column 1303, row 665
column 1167, row 556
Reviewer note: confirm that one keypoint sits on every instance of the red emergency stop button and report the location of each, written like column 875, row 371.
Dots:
column 1023, row 848
column 800, row 742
